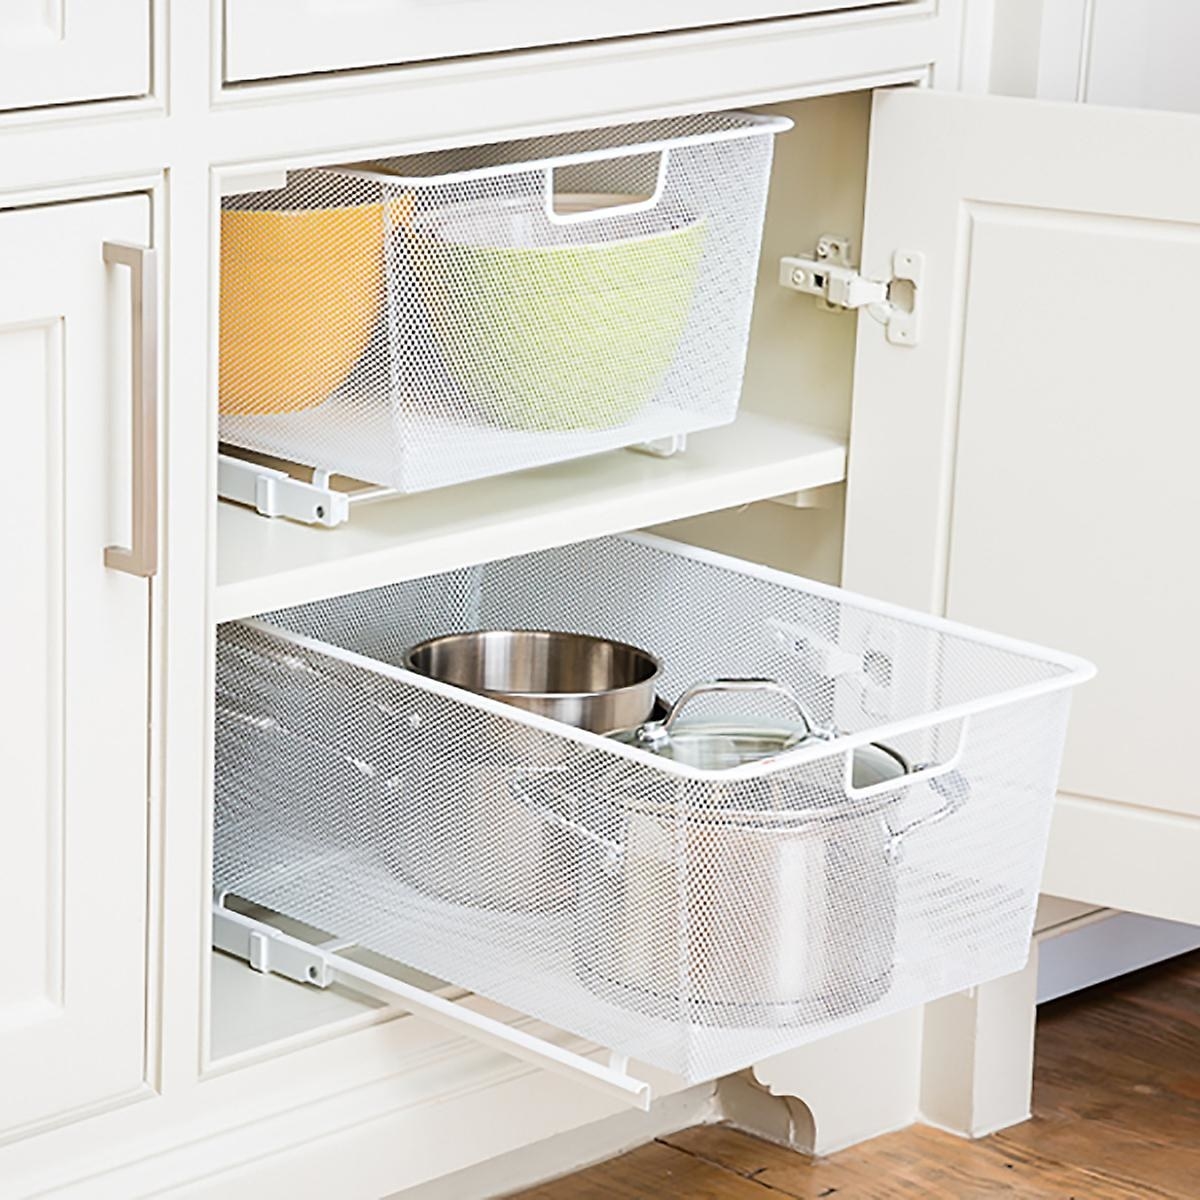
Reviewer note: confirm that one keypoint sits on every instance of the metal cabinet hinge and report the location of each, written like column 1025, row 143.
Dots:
column 835, row 281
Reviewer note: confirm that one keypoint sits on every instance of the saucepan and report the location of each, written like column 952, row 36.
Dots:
column 470, row 839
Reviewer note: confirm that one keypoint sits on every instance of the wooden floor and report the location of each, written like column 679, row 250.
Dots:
column 1116, row 1117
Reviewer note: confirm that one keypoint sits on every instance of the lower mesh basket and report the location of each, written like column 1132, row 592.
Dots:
column 695, row 920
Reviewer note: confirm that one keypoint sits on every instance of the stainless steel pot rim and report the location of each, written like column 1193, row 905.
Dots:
column 446, row 639
column 660, row 709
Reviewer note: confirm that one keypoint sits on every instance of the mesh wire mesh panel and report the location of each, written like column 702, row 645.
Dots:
column 697, row 920
column 422, row 321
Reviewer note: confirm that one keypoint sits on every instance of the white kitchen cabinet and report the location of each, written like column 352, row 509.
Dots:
column 73, row 881
column 258, row 1092
column 978, row 202
column 267, row 38
column 989, row 361
column 1028, row 466
column 62, row 51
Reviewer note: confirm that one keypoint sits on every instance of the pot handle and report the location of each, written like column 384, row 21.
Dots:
column 752, row 684
column 519, row 788
column 954, row 789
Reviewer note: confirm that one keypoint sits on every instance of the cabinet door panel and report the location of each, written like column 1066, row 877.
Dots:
column 1029, row 465
column 59, row 51
column 73, row 854
column 1076, row 488
column 265, row 38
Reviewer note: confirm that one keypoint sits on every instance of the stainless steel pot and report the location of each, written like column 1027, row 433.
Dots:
column 735, row 904
column 466, row 836
column 469, row 838
column 588, row 682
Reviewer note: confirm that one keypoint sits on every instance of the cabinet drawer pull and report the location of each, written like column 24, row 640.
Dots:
column 141, row 557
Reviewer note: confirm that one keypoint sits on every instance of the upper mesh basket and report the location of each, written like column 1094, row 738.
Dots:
column 426, row 320
column 692, row 919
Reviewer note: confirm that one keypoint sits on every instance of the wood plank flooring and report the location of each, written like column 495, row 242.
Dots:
column 1116, row 1117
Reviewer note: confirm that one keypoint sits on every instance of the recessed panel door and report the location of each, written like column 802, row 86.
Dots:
column 73, row 730
column 1030, row 465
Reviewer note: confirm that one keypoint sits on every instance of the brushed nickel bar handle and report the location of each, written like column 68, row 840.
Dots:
column 141, row 557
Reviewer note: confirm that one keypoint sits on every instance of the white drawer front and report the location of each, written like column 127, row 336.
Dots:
column 268, row 38
column 73, row 50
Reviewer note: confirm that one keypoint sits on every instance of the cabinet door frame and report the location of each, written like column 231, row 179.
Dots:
column 956, row 154
column 75, row 51
column 106, row 633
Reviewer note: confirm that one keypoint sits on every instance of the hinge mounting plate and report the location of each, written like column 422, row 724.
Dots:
column 832, row 278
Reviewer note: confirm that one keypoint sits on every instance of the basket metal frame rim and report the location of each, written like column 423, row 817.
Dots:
column 756, row 125
column 1074, row 671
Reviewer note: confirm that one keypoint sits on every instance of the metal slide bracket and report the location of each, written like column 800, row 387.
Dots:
column 271, row 951
column 274, row 493
column 831, row 276
column 663, row 447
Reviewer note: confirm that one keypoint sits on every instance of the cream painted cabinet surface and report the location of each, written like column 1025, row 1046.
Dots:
column 1022, row 463
column 1141, row 54
column 1127, row 53
column 60, row 51
column 280, row 37
column 1029, row 465
column 73, row 882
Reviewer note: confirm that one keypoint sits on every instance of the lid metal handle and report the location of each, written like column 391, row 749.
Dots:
column 656, row 732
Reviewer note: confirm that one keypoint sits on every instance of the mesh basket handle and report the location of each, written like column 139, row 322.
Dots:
column 642, row 204
column 919, row 773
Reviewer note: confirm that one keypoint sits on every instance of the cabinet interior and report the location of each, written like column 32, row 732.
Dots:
column 798, row 374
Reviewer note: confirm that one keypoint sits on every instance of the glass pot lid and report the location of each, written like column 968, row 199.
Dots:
column 721, row 743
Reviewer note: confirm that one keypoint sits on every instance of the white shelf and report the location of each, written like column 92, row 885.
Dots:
column 264, row 564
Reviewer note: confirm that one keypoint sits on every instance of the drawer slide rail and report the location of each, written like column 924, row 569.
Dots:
column 272, row 951
column 272, row 492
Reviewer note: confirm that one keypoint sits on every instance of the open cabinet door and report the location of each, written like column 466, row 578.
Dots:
column 1030, row 464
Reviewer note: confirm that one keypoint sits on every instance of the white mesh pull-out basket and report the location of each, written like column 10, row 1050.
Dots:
column 422, row 321
column 698, row 920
